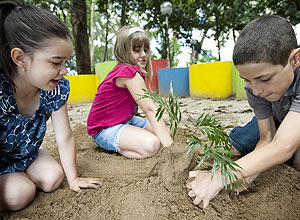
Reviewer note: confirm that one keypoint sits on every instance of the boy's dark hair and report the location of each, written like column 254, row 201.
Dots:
column 28, row 28
column 267, row 39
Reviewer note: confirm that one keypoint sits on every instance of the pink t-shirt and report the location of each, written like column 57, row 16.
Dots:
column 112, row 104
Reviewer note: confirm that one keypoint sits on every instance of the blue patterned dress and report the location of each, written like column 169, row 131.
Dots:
column 21, row 137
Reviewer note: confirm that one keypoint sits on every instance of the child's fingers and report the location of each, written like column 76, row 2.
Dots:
column 188, row 185
column 191, row 193
column 93, row 186
column 197, row 200
column 205, row 203
column 193, row 174
column 94, row 180
column 76, row 189
column 90, row 183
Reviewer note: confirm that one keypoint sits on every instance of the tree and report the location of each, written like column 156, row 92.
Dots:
column 219, row 17
column 106, row 29
column 288, row 9
column 81, row 39
column 123, row 12
column 174, row 51
column 92, row 35
column 187, row 16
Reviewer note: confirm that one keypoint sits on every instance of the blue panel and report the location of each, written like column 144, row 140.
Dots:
column 179, row 78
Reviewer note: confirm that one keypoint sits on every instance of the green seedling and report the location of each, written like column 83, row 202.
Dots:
column 169, row 105
column 218, row 148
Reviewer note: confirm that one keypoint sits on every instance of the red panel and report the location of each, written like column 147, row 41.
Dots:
column 157, row 65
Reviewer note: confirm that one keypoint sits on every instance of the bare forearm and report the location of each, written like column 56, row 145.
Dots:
column 68, row 158
column 261, row 159
column 160, row 129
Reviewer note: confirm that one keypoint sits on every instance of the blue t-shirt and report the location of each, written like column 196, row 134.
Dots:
column 21, row 137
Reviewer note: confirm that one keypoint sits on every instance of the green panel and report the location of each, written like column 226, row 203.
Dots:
column 239, row 84
column 103, row 68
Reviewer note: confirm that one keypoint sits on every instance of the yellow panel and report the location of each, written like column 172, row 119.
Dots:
column 82, row 88
column 211, row 80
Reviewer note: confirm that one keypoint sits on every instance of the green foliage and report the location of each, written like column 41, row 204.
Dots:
column 175, row 51
column 104, row 30
column 206, row 56
column 219, row 17
column 218, row 148
column 288, row 9
column 169, row 105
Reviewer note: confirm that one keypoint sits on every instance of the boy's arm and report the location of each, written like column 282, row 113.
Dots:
column 280, row 149
column 135, row 86
column 266, row 155
column 267, row 130
column 66, row 146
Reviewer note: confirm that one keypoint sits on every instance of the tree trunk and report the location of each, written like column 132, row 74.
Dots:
column 106, row 32
column 199, row 48
column 124, row 13
column 298, row 4
column 164, row 51
column 92, row 35
column 218, row 36
column 81, row 39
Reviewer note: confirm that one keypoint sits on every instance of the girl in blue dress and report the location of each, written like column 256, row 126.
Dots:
column 35, row 46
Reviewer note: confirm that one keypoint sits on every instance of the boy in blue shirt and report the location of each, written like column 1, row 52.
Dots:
column 268, row 59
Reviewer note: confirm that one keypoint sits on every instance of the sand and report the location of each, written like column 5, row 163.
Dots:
column 154, row 188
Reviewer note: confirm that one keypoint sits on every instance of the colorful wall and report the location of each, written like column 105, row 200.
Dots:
column 82, row 88
column 211, row 80
column 207, row 80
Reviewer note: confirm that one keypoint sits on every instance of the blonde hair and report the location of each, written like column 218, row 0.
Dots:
column 126, row 42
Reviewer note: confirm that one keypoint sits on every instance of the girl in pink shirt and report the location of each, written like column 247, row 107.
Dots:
column 112, row 122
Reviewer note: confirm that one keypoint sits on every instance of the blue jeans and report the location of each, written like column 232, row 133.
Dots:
column 245, row 138
column 108, row 138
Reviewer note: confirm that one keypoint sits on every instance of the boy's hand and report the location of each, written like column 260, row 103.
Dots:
column 79, row 183
column 203, row 188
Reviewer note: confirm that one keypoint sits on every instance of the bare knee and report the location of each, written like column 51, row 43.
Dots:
column 52, row 179
column 152, row 146
column 17, row 196
column 296, row 160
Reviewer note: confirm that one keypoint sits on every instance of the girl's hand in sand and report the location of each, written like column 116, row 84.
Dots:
column 203, row 187
column 79, row 183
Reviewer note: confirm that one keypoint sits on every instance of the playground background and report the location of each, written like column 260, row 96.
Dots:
column 206, row 80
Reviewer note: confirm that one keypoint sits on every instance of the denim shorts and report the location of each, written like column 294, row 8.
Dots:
column 108, row 138
column 245, row 138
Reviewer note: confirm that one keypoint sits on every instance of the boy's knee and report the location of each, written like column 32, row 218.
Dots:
column 235, row 153
column 296, row 160
column 18, row 196
column 52, row 179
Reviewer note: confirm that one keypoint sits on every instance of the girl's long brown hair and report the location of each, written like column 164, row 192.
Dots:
column 124, row 44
